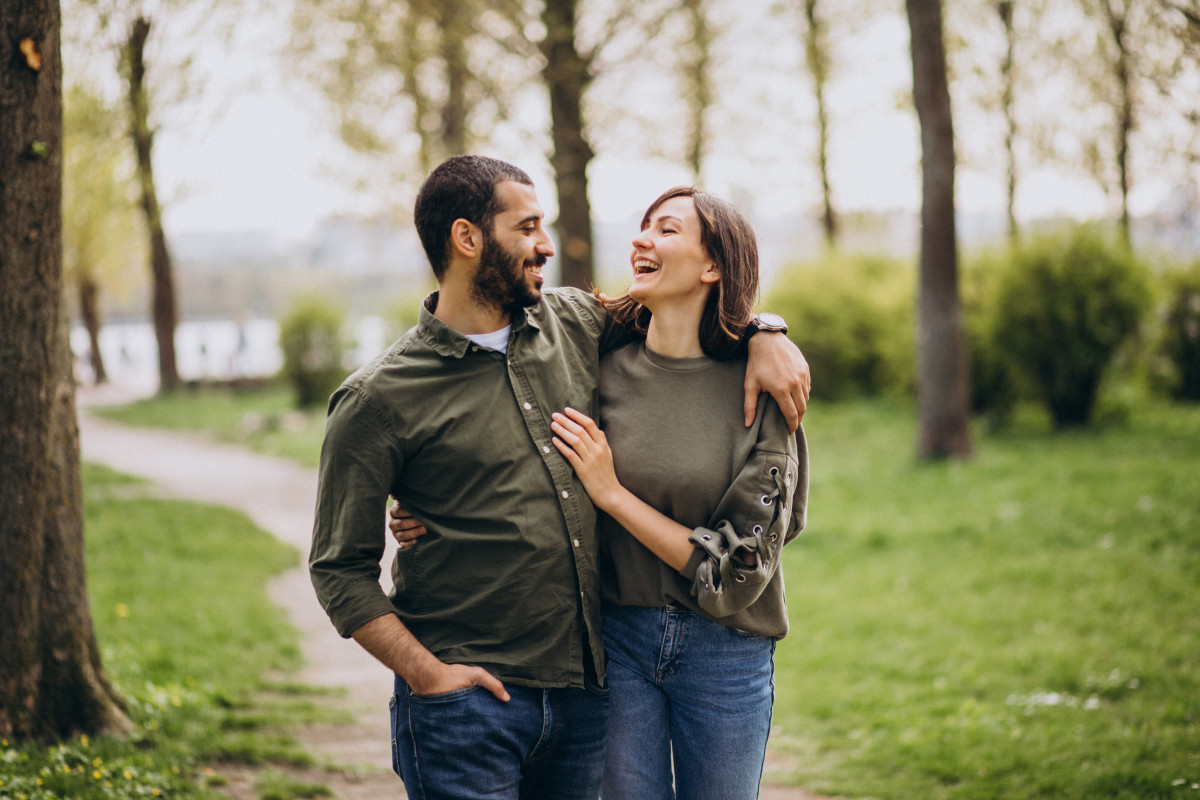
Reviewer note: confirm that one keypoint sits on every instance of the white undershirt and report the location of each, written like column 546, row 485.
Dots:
column 496, row 340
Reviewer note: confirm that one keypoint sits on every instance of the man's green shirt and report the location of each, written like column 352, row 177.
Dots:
column 506, row 577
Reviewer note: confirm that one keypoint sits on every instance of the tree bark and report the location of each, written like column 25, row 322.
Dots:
column 567, row 76
column 89, row 309
column 941, row 355
column 163, row 307
column 51, row 681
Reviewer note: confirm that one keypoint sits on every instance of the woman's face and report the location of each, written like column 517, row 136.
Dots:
column 669, row 261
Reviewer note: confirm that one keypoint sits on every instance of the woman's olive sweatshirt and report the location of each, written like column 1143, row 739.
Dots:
column 680, row 444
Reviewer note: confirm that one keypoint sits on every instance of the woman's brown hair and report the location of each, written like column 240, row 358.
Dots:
column 729, row 240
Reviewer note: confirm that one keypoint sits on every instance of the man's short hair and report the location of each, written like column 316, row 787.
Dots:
column 461, row 187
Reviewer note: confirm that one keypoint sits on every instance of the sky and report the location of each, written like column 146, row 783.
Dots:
column 258, row 153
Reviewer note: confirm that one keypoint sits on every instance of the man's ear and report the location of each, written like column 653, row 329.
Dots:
column 466, row 239
column 711, row 275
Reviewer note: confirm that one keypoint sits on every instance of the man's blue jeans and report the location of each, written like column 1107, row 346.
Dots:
column 688, row 689
column 466, row 744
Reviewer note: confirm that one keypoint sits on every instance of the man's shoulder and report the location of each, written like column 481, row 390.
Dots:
column 568, row 304
column 385, row 372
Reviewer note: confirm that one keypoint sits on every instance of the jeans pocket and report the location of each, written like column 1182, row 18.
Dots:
column 442, row 697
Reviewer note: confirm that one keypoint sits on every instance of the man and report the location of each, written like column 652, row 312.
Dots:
column 492, row 629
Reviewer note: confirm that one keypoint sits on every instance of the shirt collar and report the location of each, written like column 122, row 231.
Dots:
column 448, row 342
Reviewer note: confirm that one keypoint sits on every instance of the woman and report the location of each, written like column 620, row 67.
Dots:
column 697, row 508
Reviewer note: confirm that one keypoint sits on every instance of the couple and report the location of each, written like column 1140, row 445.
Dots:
column 480, row 421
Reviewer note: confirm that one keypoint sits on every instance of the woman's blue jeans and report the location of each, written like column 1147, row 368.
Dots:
column 687, row 690
column 467, row 744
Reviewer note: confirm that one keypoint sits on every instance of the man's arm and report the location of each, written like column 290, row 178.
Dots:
column 777, row 366
column 390, row 641
column 357, row 469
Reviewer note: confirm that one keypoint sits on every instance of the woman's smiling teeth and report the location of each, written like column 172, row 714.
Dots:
column 643, row 265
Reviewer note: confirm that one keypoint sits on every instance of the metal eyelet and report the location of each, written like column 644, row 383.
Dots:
column 774, row 471
column 706, row 537
column 774, row 537
column 758, row 530
column 741, row 578
column 766, row 500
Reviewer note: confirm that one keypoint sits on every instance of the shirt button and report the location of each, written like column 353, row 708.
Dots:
column 576, row 542
column 566, row 494
column 474, row 348
column 528, row 406
column 545, row 448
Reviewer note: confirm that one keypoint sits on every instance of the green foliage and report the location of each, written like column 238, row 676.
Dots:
column 1023, row 625
column 186, row 632
column 853, row 317
column 104, row 238
column 993, row 382
column 313, row 345
column 1064, row 305
column 1180, row 346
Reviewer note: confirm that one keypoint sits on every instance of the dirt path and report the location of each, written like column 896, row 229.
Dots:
column 279, row 497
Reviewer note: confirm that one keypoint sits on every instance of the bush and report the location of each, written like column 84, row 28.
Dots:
column 1180, row 344
column 853, row 318
column 993, row 382
column 1064, row 305
column 310, row 336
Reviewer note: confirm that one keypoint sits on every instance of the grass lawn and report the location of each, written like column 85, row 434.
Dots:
column 190, row 640
column 1023, row 625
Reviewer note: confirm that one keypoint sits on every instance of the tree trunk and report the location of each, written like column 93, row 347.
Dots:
column 454, row 24
column 941, row 357
column 817, row 56
column 1005, row 9
column 698, row 73
column 51, row 681
column 89, row 309
column 1118, row 26
column 163, row 306
column 567, row 76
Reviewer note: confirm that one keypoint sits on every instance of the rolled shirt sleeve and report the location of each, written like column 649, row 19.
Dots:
column 358, row 462
column 738, row 552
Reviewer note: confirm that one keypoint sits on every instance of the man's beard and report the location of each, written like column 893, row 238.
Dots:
column 500, row 279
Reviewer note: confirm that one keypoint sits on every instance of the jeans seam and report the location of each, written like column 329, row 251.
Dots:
column 415, row 757
column 541, row 748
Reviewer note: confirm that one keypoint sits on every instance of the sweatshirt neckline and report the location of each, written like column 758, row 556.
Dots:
column 676, row 364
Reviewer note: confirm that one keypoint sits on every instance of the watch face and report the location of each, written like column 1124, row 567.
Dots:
column 770, row 320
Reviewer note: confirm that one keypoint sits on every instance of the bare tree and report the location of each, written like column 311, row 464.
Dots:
column 411, row 82
column 52, row 683
column 1129, row 56
column 818, row 58
column 1004, row 10
column 101, row 234
column 152, row 43
column 164, row 311
column 695, row 69
column 941, row 356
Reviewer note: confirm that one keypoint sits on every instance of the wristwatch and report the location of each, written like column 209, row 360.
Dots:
column 766, row 321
